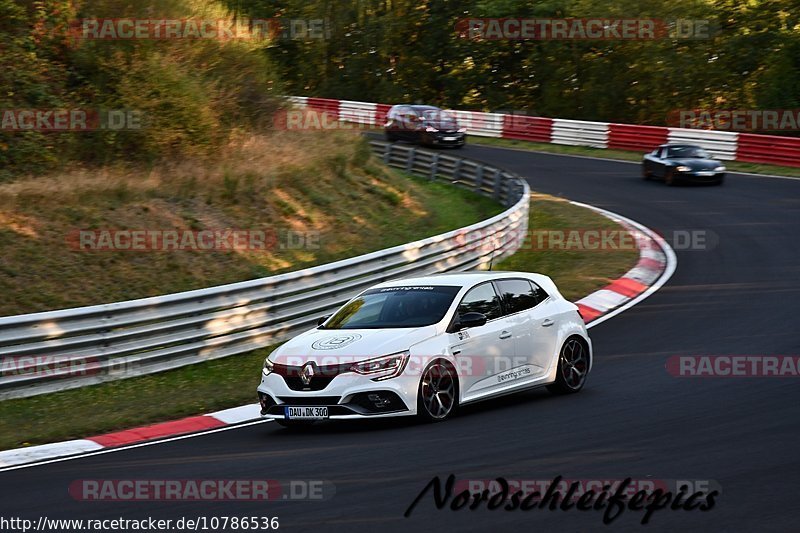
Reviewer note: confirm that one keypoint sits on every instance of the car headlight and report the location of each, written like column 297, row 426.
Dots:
column 430, row 129
column 462, row 130
column 720, row 168
column 267, row 367
column 683, row 169
column 393, row 365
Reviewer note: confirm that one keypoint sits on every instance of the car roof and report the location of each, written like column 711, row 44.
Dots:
column 418, row 107
column 682, row 145
column 465, row 279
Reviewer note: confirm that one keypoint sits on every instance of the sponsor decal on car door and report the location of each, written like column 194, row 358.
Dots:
column 482, row 352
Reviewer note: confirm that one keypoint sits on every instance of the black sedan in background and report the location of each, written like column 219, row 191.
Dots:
column 424, row 124
column 682, row 163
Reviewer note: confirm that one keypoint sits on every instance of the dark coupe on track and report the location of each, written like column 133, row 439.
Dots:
column 676, row 163
column 424, row 124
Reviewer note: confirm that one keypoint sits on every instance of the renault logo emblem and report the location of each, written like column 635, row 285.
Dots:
column 307, row 373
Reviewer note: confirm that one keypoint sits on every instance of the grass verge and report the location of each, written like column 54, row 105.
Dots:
column 576, row 272
column 733, row 166
column 232, row 381
column 321, row 196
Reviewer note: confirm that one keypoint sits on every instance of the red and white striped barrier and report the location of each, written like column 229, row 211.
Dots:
column 724, row 145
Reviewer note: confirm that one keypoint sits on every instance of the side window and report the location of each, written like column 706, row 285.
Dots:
column 539, row 293
column 518, row 294
column 481, row 299
column 412, row 116
column 664, row 153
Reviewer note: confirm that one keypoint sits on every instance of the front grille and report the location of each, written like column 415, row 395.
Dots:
column 309, row 400
column 322, row 377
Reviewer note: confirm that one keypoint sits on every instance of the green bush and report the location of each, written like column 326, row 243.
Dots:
column 192, row 95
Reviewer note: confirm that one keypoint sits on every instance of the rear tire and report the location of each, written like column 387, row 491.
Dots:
column 390, row 137
column 437, row 396
column 573, row 367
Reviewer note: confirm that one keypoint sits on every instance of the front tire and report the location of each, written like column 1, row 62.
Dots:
column 669, row 177
column 437, row 397
column 646, row 174
column 573, row 367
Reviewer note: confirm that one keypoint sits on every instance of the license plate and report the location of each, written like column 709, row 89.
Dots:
column 705, row 173
column 451, row 138
column 306, row 413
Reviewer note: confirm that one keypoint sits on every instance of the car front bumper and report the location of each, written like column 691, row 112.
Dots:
column 446, row 139
column 700, row 176
column 347, row 396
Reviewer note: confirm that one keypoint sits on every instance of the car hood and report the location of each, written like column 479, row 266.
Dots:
column 698, row 164
column 338, row 346
column 442, row 124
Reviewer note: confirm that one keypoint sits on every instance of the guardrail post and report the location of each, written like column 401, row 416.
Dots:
column 387, row 155
column 514, row 190
column 410, row 160
column 479, row 178
column 457, row 169
column 498, row 182
column 435, row 166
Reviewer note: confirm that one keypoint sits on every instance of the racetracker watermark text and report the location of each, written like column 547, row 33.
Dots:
column 211, row 490
column 70, row 120
column 736, row 119
column 734, row 366
column 582, row 29
column 173, row 240
column 126, row 29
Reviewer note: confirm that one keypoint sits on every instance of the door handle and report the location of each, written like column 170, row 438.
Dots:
column 547, row 323
column 505, row 334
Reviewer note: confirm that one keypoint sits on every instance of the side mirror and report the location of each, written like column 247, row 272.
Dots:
column 470, row 320
column 321, row 320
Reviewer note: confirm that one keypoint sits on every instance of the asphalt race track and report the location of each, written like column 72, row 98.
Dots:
column 738, row 297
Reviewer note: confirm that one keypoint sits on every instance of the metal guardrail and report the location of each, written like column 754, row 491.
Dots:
column 101, row 343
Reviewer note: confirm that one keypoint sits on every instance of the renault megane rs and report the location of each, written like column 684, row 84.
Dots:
column 423, row 346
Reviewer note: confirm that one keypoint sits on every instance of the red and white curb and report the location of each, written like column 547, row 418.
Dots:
column 10, row 459
column 656, row 264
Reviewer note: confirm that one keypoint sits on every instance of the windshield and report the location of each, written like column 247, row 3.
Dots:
column 681, row 152
column 437, row 115
column 395, row 307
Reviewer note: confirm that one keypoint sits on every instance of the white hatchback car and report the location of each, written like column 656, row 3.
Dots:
column 423, row 346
